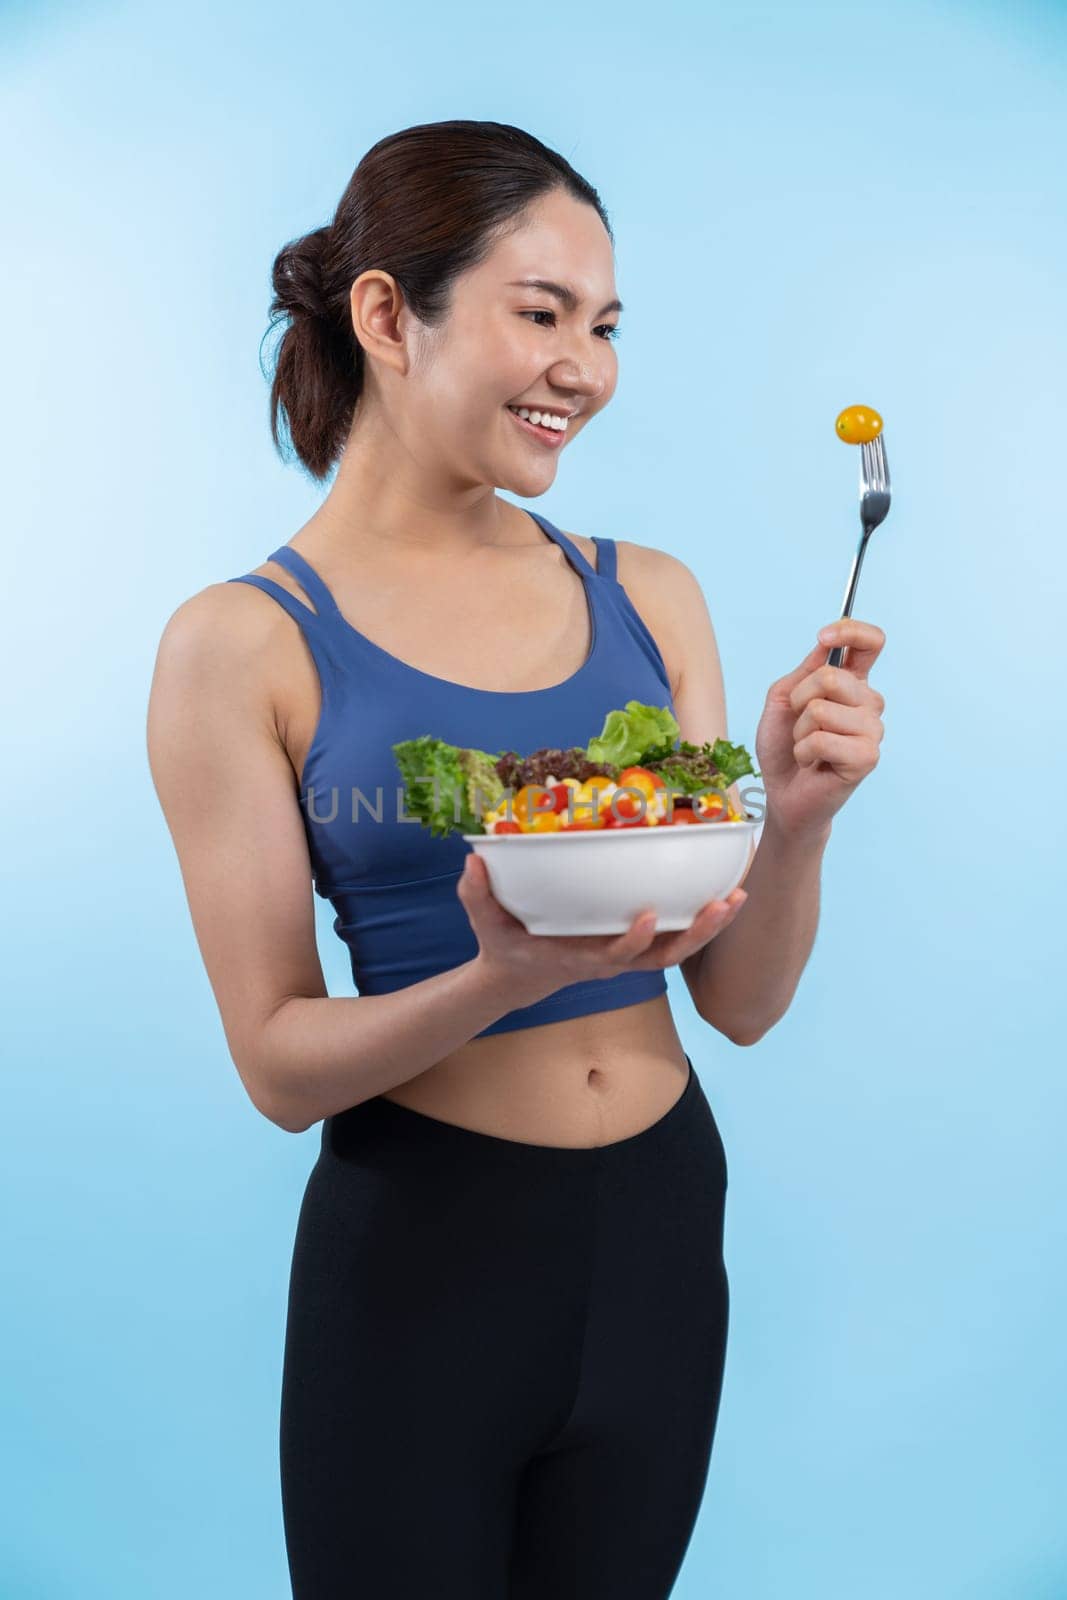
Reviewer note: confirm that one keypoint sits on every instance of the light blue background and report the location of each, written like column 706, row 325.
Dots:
column 814, row 206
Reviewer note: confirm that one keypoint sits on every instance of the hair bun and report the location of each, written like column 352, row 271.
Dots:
column 298, row 275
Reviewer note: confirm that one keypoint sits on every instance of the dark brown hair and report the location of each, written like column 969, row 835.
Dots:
column 426, row 205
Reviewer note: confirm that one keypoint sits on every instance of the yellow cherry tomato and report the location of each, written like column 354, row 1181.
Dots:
column 592, row 793
column 544, row 822
column 587, row 801
column 532, row 799
column 858, row 425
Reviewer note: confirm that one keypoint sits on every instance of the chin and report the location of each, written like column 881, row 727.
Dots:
column 530, row 484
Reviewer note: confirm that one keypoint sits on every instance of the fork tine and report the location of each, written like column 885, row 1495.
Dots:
column 883, row 464
column 866, row 469
column 874, row 470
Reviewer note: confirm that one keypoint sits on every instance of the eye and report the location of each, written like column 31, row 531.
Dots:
column 610, row 332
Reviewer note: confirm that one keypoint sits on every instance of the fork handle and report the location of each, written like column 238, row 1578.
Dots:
column 837, row 654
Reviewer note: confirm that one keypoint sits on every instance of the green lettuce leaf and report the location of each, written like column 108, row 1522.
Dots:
column 448, row 788
column 627, row 735
column 692, row 768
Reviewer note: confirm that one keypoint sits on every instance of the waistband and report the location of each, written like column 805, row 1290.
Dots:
column 344, row 1132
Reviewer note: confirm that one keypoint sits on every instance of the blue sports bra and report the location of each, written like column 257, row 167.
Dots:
column 390, row 881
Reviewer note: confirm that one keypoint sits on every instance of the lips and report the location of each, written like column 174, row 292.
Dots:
column 550, row 438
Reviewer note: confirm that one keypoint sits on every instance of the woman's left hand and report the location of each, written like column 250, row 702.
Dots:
column 820, row 730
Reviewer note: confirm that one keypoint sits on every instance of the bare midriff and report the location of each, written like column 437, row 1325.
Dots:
column 584, row 1081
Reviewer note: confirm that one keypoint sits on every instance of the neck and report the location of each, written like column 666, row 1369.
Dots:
column 383, row 500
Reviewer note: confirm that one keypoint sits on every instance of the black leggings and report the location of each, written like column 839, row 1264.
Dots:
column 503, row 1361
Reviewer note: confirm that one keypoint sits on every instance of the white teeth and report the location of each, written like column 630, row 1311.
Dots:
column 544, row 419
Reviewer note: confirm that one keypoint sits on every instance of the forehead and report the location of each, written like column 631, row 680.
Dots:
column 561, row 239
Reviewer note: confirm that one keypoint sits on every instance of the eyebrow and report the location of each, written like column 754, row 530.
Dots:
column 562, row 293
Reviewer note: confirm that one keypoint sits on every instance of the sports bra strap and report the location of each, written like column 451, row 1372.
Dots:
column 605, row 557
column 307, row 577
column 573, row 554
column 300, row 613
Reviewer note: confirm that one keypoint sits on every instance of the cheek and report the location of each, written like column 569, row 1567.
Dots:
column 517, row 346
column 494, row 370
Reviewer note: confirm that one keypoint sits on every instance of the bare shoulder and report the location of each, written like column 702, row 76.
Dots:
column 219, row 622
column 218, row 659
column 224, row 636
column 645, row 566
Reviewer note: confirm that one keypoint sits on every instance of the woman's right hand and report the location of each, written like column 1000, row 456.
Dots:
column 536, row 965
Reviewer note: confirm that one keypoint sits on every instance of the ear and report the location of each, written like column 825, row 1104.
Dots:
column 377, row 306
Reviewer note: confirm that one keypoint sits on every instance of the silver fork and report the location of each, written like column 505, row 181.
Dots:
column 874, row 508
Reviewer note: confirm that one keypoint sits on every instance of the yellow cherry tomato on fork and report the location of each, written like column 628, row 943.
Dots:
column 858, row 424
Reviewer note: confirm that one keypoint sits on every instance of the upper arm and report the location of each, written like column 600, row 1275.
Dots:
column 673, row 607
column 230, row 798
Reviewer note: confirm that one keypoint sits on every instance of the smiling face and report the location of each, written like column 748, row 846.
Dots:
column 505, row 343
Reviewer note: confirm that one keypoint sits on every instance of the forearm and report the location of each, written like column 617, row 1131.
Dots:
column 748, row 974
column 319, row 1055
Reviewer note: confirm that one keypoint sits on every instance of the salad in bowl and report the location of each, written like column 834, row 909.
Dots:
column 581, row 840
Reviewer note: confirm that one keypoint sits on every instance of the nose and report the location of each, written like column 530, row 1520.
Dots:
column 582, row 377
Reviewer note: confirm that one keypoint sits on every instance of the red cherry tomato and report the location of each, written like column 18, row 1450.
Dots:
column 622, row 806
column 639, row 775
column 713, row 808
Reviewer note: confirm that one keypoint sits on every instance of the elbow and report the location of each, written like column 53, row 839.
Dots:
column 284, row 1120
column 267, row 1079
column 753, row 1035
column 744, row 1039
column 275, row 1106
column 279, row 1110
column 741, row 1036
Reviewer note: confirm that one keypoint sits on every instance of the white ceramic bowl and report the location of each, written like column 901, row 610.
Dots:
column 597, row 880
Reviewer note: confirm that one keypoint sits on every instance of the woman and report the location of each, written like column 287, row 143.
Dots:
column 508, row 1305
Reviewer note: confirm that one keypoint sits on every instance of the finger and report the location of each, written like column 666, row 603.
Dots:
column 852, row 757
column 829, row 683
column 476, row 893
column 782, row 688
column 638, row 936
column 618, row 947
column 832, row 716
column 865, row 641
column 670, row 948
column 711, row 919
